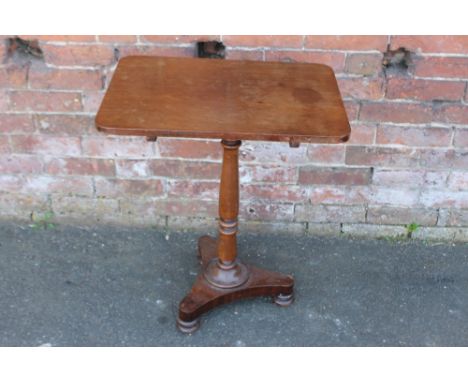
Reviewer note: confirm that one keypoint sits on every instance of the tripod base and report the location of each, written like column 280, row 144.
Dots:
column 205, row 296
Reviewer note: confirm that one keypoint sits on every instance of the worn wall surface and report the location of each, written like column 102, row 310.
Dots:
column 407, row 160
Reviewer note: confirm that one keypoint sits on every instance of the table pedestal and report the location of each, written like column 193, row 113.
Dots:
column 224, row 278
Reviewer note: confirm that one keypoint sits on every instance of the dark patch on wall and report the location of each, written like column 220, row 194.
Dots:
column 23, row 50
column 397, row 61
column 211, row 49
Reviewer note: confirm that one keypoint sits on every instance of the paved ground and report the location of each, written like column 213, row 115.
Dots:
column 70, row 286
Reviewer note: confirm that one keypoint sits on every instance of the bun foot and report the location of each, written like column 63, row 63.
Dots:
column 284, row 299
column 188, row 327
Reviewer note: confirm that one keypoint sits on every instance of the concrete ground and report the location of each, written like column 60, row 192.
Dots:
column 107, row 286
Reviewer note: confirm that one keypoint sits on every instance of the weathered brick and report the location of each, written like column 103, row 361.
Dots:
column 256, row 210
column 334, row 175
column 78, row 55
column 60, row 38
column 177, row 39
column 362, row 133
column 161, row 207
column 91, row 100
column 75, row 79
column 16, row 124
column 112, row 187
column 288, row 228
column 381, row 156
column 397, row 215
column 327, row 214
column 155, row 50
column 425, row 90
column 335, row 60
column 272, row 153
column 45, row 101
column 264, row 40
column 330, row 154
column 363, row 42
column 184, row 148
column 374, row 231
column 22, row 206
column 445, row 67
column 193, row 189
column 352, row 109
column 395, row 112
column 323, row 229
column 4, row 144
column 364, row 63
column 449, row 113
column 443, row 158
column 4, row 100
column 13, row 76
column 273, row 192
column 116, row 147
column 438, row 234
column 64, row 124
column 361, row 88
column 267, row 173
column 404, row 197
column 20, row 164
column 431, row 44
column 85, row 210
column 414, row 136
column 409, row 178
column 193, row 224
column 80, row 166
column 434, row 198
column 460, row 138
column 43, row 184
column 453, row 217
column 458, row 180
column 251, row 55
column 128, row 39
column 37, row 144
column 342, row 195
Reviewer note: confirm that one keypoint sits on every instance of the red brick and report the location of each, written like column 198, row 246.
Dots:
column 447, row 67
column 45, row 101
column 458, row 180
column 352, row 109
column 82, row 55
column 334, row 175
column 178, row 39
column 267, row 174
column 256, row 210
column 426, row 90
column 364, row 63
column 449, row 113
column 273, row 192
column 333, row 59
column 366, row 42
column 193, row 189
column 363, row 134
column 414, row 136
column 399, row 215
column 153, row 50
column 65, row 185
column 129, row 39
column 395, row 112
column 393, row 197
column 381, row 156
column 330, row 214
column 361, row 88
column 432, row 44
column 13, row 76
column 16, row 124
column 178, row 207
column 251, row 55
column 108, row 187
column 104, row 146
column 75, row 79
column 328, row 154
column 61, row 38
column 4, row 144
column 460, row 138
column 4, row 98
column 19, row 164
column 342, row 195
column 37, row 144
column 64, row 124
column 184, row 148
column 80, row 166
column 265, row 40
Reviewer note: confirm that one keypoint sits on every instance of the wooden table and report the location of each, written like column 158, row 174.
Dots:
column 231, row 101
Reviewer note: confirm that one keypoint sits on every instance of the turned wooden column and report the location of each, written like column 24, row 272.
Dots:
column 226, row 271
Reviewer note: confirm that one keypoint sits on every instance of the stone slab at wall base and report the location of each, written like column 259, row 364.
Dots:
column 209, row 225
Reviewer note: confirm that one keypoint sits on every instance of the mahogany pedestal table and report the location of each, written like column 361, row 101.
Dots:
column 231, row 101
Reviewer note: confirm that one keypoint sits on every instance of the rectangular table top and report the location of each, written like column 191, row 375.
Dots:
column 209, row 98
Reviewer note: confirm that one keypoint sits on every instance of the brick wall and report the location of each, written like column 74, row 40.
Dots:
column 407, row 160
